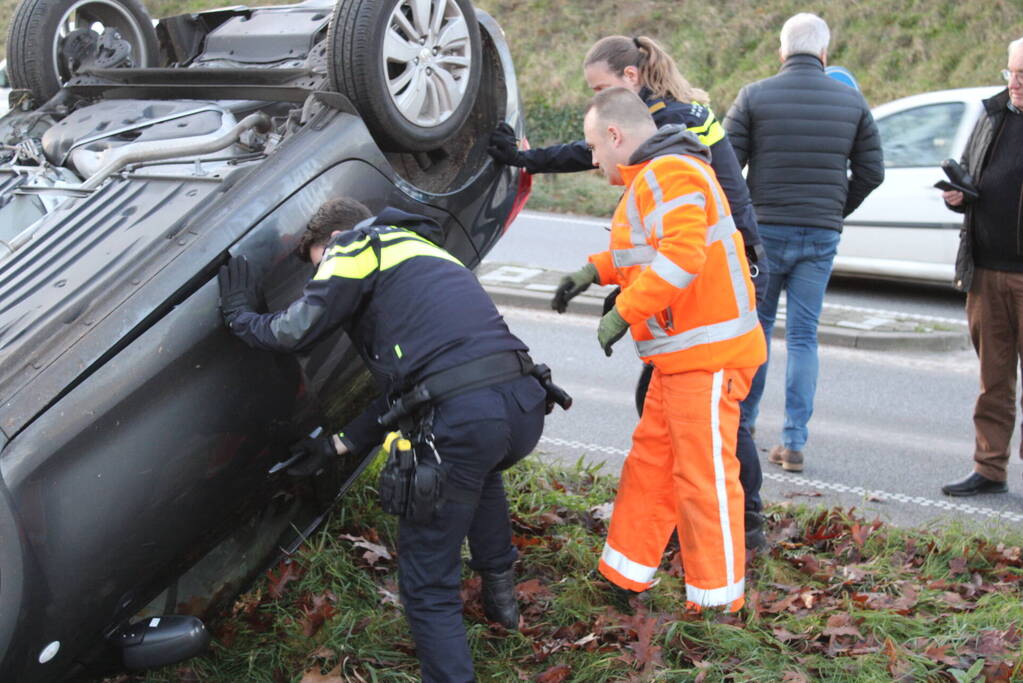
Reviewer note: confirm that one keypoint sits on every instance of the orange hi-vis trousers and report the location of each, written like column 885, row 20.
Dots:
column 682, row 474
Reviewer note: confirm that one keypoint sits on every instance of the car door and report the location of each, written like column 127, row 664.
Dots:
column 903, row 228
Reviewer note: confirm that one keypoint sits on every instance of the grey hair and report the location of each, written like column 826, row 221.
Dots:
column 1018, row 43
column 804, row 33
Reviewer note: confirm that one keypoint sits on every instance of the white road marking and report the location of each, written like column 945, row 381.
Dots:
column 547, row 217
column 885, row 496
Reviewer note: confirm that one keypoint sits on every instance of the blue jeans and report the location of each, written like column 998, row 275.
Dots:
column 800, row 260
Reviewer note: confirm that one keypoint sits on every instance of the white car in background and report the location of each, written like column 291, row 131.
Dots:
column 903, row 229
column 5, row 87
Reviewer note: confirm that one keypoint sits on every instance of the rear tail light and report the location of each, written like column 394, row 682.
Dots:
column 521, row 194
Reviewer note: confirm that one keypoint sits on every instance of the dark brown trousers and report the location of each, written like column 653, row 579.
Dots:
column 994, row 310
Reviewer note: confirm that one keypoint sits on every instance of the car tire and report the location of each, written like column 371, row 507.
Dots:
column 33, row 43
column 410, row 101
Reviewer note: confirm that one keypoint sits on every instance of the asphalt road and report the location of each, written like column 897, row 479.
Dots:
column 563, row 242
column 889, row 428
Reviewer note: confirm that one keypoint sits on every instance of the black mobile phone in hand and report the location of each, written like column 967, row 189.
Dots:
column 958, row 180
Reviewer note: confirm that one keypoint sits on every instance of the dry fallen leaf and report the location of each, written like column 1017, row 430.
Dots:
column 286, row 572
column 555, row 674
column 314, row 676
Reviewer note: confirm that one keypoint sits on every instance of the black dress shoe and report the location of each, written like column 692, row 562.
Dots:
column 974, row 484
column 499, row 602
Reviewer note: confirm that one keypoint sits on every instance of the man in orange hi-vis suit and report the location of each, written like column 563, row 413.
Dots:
column 689, row 302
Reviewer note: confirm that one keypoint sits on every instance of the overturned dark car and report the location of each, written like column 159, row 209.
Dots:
column 138, row 437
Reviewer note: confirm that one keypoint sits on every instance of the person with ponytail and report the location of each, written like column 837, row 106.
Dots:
column 642, row 65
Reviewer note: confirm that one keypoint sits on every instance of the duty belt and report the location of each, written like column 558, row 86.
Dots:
column 475, row 374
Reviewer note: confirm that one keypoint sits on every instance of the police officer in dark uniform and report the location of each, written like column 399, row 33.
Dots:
column 641, row 65
column 421, row 321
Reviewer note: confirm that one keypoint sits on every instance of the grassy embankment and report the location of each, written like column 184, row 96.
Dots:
column 837, row 598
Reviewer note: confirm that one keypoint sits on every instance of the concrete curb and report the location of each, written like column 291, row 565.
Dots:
column 539, row 298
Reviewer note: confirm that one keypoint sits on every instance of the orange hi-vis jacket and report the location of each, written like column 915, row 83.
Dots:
column 675, row 252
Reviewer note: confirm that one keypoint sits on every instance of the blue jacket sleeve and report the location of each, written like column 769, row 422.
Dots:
column 729, row 174
column 364, row 432
column 329, row 301
column 567, row 158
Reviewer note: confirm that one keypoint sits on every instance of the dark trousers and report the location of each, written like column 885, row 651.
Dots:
column 477, row 434
column 994, row 310
column 751, row 476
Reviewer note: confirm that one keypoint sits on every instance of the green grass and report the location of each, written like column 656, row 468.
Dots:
column 837, row 598
column 587, row 194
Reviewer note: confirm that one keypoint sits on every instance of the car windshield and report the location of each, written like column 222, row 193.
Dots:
column 921, row 136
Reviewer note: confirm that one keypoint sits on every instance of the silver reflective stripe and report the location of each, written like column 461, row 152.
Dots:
column 655, row 187
column 723, row 229
column 720, row 489
column 655, row 219
column 712, row 597
column 737, row 276
column 735, row 273
column 671, row 273
column 637, row 232
column 711, row 183
column 634, row 571
column 656, row 330
column 707, row 334
column 636, row 256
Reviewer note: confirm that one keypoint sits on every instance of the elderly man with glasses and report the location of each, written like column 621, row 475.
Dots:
column 989, row 268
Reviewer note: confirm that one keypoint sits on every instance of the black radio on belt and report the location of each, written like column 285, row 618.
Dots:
column 411, row 482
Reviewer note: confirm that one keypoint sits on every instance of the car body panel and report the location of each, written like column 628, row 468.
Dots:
column 136, row 433
column 903, row 229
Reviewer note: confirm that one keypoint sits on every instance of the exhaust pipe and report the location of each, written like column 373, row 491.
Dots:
column 160, row 149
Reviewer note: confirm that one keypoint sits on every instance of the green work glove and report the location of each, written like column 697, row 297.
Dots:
column 612, row 327
column 572, row 285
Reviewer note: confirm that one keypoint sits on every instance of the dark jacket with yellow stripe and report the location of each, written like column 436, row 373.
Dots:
column 698, row 119
column 410, row 308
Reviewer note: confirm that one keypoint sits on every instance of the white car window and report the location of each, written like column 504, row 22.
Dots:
column 921, row 136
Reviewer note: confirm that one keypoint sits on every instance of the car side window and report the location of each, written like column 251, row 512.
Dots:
column 921, row 136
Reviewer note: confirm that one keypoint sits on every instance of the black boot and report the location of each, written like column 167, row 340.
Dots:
column 499, row 602
column 756, row 540
column 621, row 599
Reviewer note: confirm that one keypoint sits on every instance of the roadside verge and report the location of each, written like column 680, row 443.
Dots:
column 849, row 326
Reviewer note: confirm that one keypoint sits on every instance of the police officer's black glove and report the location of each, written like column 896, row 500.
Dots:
column 572, row 285
column 610, row 299
column 239, row 291
column 759, row 269
column 504, row 146
column 314, row 453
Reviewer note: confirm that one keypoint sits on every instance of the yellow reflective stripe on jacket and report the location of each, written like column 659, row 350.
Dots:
column 710, row 131
column 406, row 235
column 399, row 252
column 656, row 106
column 358, row 259
column 350, row 261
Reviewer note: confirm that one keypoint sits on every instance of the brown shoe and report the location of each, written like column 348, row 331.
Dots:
column 790, row 460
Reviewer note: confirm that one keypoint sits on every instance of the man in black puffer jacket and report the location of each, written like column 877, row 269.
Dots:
column 801, row 134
